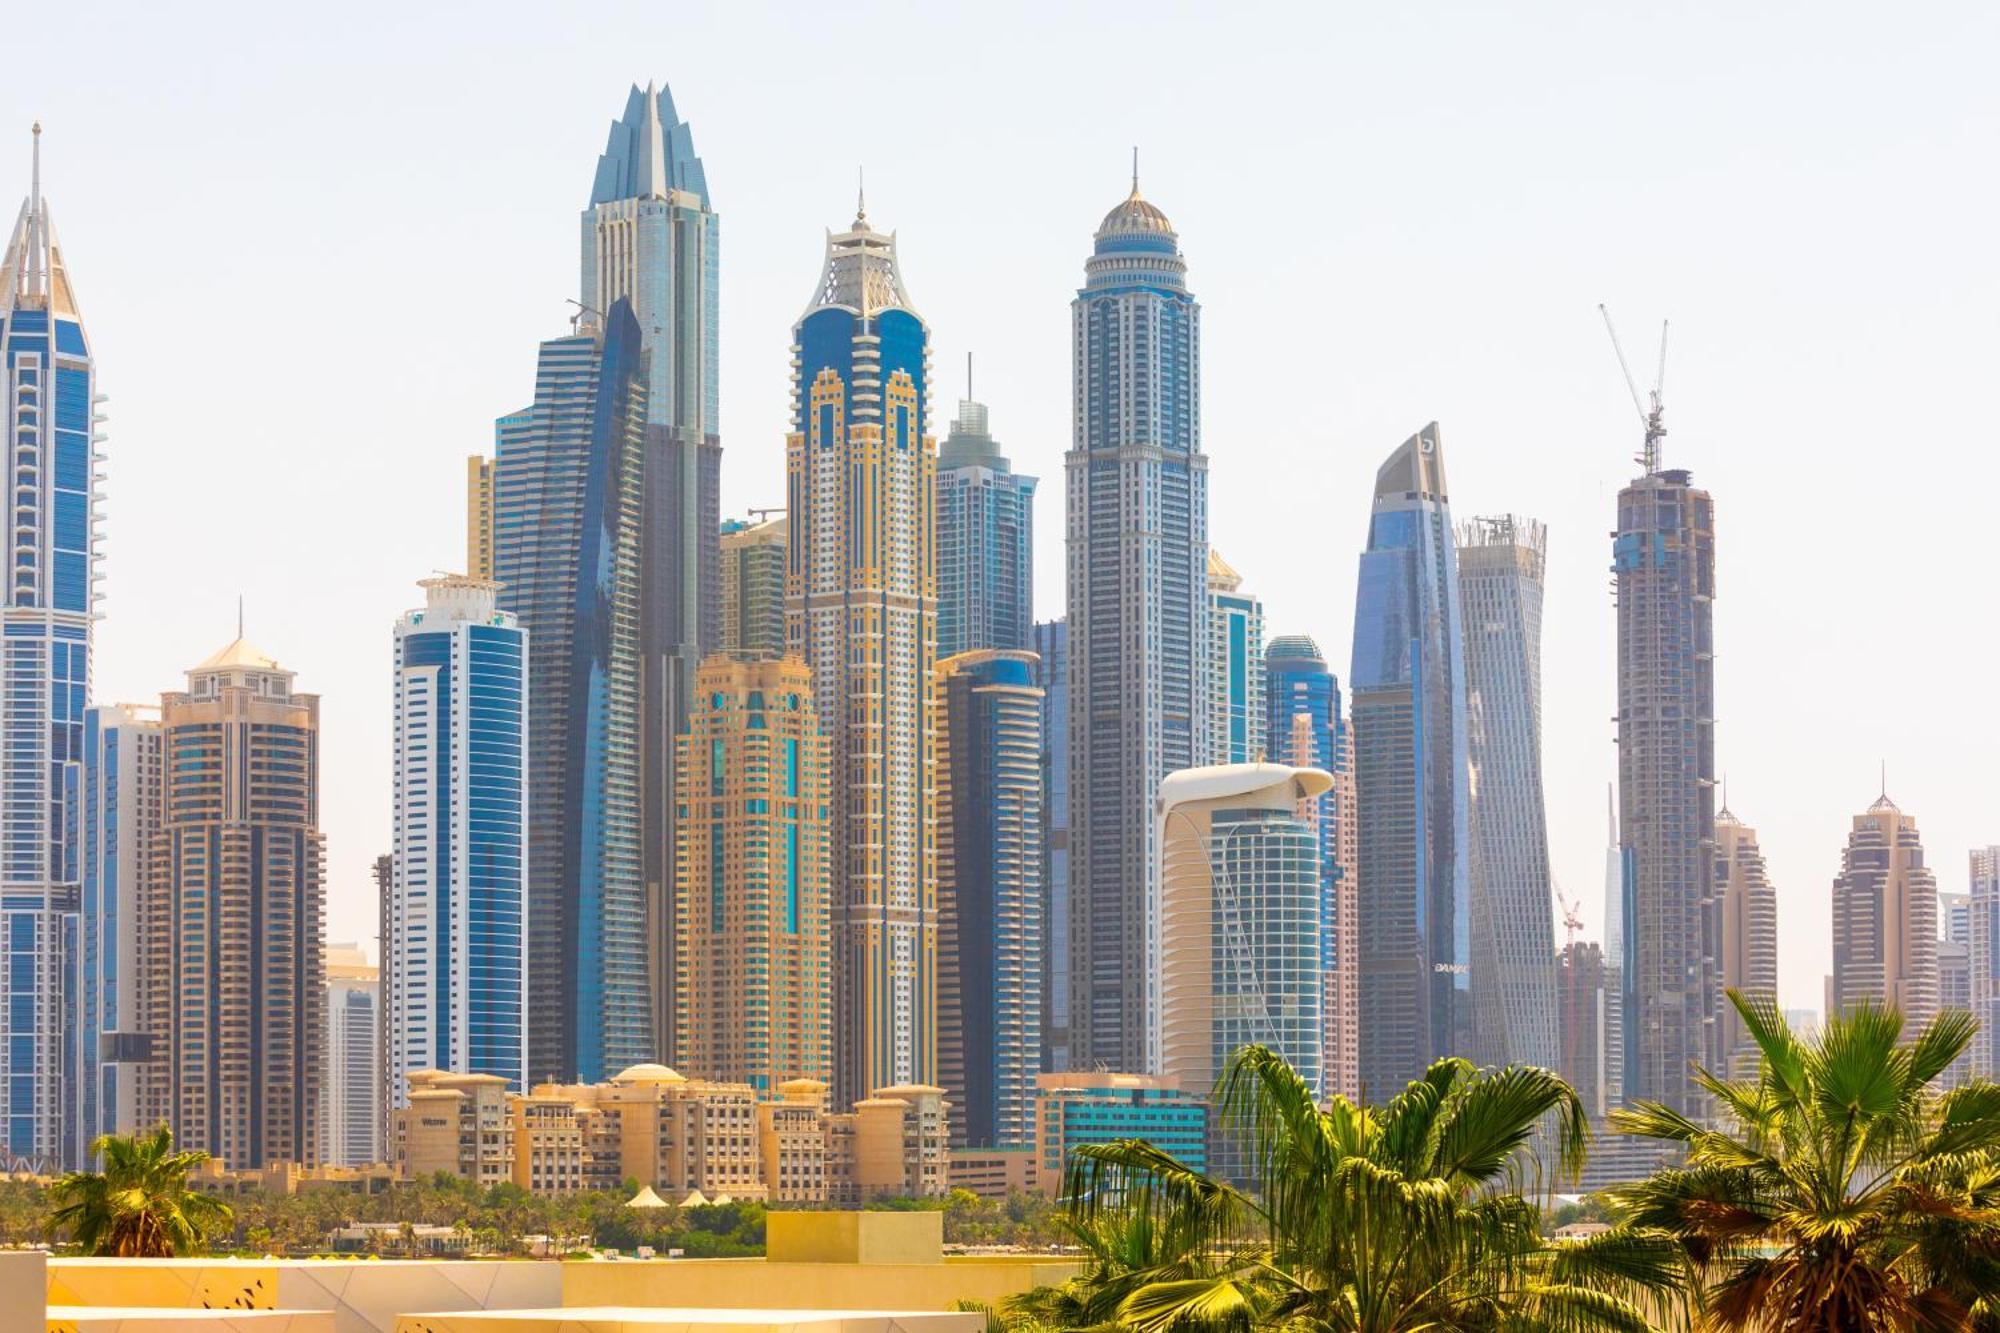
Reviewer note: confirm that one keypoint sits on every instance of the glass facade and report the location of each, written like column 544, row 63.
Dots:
column 1408, row 683
column 1138, row 610
column 48, row 409
column 458, row 921
column 650, row 237
column 1241, row 888
column 566, row 554
column 1500, row 570
column 1305, row 729
column 1052, row 675
column 985, row 540
column 990, row 896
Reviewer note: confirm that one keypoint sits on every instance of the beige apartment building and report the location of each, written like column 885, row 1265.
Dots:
column 678, row 1136
column 1885, row 919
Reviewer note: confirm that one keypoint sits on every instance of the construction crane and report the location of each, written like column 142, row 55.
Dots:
column 1650, row 418
column 760, row 514
column 1571, row 921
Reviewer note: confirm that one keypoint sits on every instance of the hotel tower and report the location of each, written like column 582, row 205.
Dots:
column 860, row 608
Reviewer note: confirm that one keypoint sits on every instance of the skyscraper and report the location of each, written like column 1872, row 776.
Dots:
column 566, row 556
column 1305, row 729
column 1408, row 683
column 350, row 1121
column 985, row 541
column 233, row 963
column 1982, row 943
column 990, row 926
column 753, row 588
column 861, row 609
column 1500, row 570
column 1052, row 676
column 1234, row 668
column 1587, row 1010
column 1885, row 935
column 479, row 516
column 122, row 764
column 1240, row 890
column 755, row 999
column 1663, row 559
column 1137, row 527
column 458, row 922
column 1749, row 935
column 650, row 237
column 50, row 411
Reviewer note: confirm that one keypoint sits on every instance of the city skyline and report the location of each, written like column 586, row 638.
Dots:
column 1770, row 758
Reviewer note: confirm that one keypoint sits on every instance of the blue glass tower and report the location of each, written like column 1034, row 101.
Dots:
column 458, row 905
column 650, row 237
column 1304, row 728
column 1137, row 533
column 1408, row 681
column 566, row 554
column 985, row 538
column 990, row 895
column 1052, row 674
column 48, row 397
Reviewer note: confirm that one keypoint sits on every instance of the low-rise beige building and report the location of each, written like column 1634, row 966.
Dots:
column 676, row 1135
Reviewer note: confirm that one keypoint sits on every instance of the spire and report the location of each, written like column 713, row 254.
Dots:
column 968, row 377
column 35, row 176
column 860, row 198
column 1135, row 171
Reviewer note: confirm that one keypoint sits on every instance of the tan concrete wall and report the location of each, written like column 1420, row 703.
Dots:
column 854, row 1237
column 23, row 1288
column 714, row 1284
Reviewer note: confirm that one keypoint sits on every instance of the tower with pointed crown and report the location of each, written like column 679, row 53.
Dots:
column 651, row 237
column 861, row 609
column 48, row 400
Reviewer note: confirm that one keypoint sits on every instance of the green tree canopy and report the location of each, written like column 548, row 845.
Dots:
column 140, row 1205
column 1845, row 1193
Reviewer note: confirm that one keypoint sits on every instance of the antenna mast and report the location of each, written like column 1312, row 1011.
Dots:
column 1649, row 417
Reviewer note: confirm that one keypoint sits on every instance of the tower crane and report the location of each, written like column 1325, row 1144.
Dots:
column 1650, row 417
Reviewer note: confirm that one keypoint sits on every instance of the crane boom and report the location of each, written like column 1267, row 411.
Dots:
column 1653, row 418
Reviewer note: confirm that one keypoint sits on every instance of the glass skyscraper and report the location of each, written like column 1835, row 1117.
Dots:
column 1240, row 890
column 48, row 401
column 1500, row 571
column 1408, row 680
column 985, row 539
column 650, row 237
column 566, row 555
column 1235, row 668
column 990, row 924
column 123, row 757
column 1306, row 730
column 1052, row 674
column 860, row 608
column 1668, row 945
column 1137, row 528
column 459, row 902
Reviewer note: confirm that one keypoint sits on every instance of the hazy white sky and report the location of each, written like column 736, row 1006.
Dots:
column 315, row 249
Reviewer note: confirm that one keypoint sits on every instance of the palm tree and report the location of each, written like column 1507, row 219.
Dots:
column 139, row 1206
column 1848, row 1193
column 1367, row 1220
